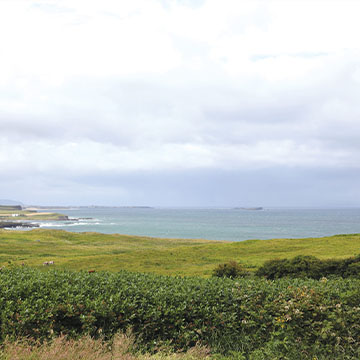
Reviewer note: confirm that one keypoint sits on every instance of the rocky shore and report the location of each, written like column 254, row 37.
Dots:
column 16, row 224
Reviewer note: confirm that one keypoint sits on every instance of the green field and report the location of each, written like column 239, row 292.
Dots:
column 184, row 257
column 6, row 213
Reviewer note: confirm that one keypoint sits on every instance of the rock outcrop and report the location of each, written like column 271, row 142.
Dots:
column 15, row 224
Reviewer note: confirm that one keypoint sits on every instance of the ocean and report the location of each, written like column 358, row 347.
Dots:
column 213, row 224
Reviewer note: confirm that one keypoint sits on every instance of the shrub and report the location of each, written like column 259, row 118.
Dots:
column 309, row 266
column 252, row 316
column 231, row 270
column 272, row 269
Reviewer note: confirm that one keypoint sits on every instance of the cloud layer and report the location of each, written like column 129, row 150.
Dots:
column 147, row 90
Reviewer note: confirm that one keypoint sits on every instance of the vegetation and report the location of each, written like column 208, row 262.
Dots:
column 254, row 318
column 94, row 251
column 240, row 318
column 310, row 267
column 231, row 270
column 15, row 212
column 121, row 347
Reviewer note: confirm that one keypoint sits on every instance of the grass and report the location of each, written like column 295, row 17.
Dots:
column 7, row 214
column 86, row 348
column 185, row 257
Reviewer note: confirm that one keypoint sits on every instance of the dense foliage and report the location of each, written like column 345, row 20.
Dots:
column 231, row 270
column 311, row 267
column 255, row 317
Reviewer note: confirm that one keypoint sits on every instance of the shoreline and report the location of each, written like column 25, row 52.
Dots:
column 17, row 225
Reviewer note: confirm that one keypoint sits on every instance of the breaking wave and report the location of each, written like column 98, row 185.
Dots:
column 68, row 224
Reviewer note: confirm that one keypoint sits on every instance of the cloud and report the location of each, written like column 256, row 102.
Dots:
column 115, row 88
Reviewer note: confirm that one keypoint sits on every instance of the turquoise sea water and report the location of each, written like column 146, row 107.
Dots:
column 215, row 224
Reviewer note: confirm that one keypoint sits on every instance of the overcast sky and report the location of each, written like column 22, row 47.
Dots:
column 180, row 103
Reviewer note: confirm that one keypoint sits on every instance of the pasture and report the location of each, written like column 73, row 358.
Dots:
column 184, row 257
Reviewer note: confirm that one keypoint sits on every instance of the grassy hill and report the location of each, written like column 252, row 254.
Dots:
column 185, row 257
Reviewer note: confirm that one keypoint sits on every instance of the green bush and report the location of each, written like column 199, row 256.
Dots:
column 231, row 270
column 309, row 266
column 252, row 316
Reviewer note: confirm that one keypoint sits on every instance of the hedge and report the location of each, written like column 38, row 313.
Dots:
column 294, row 317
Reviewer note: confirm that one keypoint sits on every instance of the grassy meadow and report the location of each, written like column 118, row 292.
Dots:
column 7, row 214
column 184, row 257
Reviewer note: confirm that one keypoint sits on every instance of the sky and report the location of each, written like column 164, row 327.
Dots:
column 180, row 102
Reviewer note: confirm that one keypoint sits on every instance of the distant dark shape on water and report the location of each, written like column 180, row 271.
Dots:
column 10, row 207
column 249, row 208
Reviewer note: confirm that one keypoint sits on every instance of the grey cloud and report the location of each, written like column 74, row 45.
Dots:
column 134, row 114
column 119, row 110
column 272, row 187
column 281, row 140
column 28, row 127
